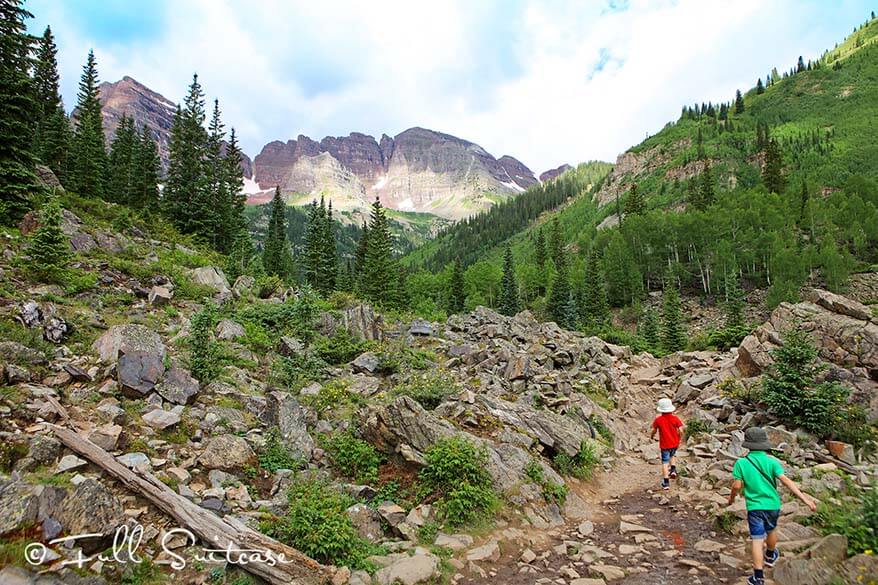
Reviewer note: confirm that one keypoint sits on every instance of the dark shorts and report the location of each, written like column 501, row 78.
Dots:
column 761, row 522
column 667, row 454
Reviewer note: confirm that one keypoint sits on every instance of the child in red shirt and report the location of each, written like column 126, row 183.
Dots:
column 670, row 430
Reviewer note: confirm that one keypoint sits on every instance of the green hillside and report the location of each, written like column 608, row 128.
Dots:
column 709, row 232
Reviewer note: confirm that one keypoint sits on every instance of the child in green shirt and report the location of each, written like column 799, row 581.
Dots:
column 756, row 475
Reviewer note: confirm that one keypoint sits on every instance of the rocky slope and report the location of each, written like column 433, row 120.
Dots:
column 417, row 170
column 148, row 108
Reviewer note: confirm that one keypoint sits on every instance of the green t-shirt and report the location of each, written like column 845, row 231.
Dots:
column 759, row 492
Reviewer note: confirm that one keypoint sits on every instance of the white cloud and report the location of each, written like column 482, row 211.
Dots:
column 516, row 77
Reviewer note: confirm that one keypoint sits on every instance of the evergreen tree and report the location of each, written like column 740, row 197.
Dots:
column 800, row 66
column 360, row 255
column 673, row 334
column 17, row 113
column 50, row 247
column 540, row 250
column 635, row 204
column 275, row 255
column 734, row 302
column 52, row 133
column 217, row 224
column 380, row 272
column 760, row 89
column 648, row 329
column 623, row 277
column 595, row 310
column 509, row 301
column 772, row 172
column 88, row 155
column 560, row 305
column 242, row 253
column 185, row 198
column 693, row 194
column 319, row 249
column 122, row 165
column 556, row 242
column 456, row 289
column 144, row 188
column 706, row 196
column 739, row 102
column 329, row 259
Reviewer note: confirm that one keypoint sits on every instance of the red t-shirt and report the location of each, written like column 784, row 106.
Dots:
column 667, row 425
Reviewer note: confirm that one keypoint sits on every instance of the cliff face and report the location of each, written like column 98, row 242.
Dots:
column 418, row 170
column 554, row 173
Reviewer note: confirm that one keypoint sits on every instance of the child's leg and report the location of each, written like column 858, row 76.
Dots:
column 666, row 461
column 771, row 540
column 757, row 553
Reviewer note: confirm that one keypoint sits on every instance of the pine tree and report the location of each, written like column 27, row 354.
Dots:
column 623, row 277
column 561, row 305
column 693, row 194
column 185, row 197
column 673, row 335
column 380, row 272
column 17, row 113
column 635, row 204
column 739, row 102
column 760, row 89
column 772, row 172
column 734, row 302
column 556, row 242
column 50, row 247
column 540, row 256
column 275, row 255
column 319, row 249
column 648, row 329
column 595, row 309
column 456, row 289
column 122, row 165
column 329, row 258
column 88, row 155
column 240, row 241
column 706, row 196
column 145, row 175
column 509, row 301
column 804, row 199
column 52, row 132
column 800, row 66
column 216, row 225
column 360, row 255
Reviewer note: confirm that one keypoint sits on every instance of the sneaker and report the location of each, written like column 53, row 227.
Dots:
column 771, row 557
column 673, row 473
column 666, row 485
column 754, row 580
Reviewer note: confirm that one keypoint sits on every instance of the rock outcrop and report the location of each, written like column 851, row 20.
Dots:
column 552, row 174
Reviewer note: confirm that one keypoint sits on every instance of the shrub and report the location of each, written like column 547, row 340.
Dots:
column 429, row 390
column 552, row 492
column 275, row 455
column 581, row 465
column 696, row 426
column 725, row 522
column 456, row 472
column 296, row 371
column 601, row 428
column 728, row 337
column 203, row 354
column 792, row 393
column 341, row 348
column 50, row 247
column 353, row 457
column 859, row 523
column 333, row 394
column 316, row 523
column 296, row 317
column 749, row 394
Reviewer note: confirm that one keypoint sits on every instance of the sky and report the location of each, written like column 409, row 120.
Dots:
column 545, row 81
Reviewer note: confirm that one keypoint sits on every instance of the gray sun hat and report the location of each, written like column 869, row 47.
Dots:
column 756, row 439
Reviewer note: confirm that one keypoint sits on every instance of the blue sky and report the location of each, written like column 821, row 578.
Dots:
column 546, row 81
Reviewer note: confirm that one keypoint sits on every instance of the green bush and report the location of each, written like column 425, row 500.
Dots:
column 738, row 391
column 316, row 523
column 581, row 465
column 203, row 352
column 353, row 457
column 696, row 426
column 296, row 317
column 50, row 247
column 429, row 390
column 456, row 472
column 341, row 348
column 792, row 393
column 728, row 337
column 275, row 455
column 333, row 394
column 859, row 523
column 552, row 492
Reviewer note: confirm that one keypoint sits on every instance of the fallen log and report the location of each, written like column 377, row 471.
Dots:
column 292, row 567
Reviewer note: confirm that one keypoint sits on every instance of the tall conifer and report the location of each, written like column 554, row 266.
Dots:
column 509, row 301
column 456, row 288
column 52, row 133
column 380, row 273
column 88, row 154
column 275, row 255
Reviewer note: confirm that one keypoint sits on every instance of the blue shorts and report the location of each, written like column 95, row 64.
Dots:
column 762, row 522
column 667, row 454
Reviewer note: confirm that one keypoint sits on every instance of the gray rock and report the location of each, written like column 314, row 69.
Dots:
column 290, row 346
column 160, row 296
column 69, row 463
column 16, row 375
column 19, row 505
column 161, row 419
column 106, row 437
column 226, row 452
column 30, row 314
column 227, row 329
column 367, row 521
column 283, row 410
column 90, row 508
column 360, row 320
column 139, row 371
column 411, row 570
column 21, row 354
column 421, row 327
column 135, row 460
column 178, row 386
column 122, row 339
column 243, row 286
column 366, row 363
column 210, row 276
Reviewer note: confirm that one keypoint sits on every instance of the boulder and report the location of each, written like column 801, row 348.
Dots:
column 211, row 277
column 19, row 505
column 832, row 549
column 421, row 327
column 839, row 304
column 227, row 329
column 160, row 296
column 161, row 419
column 21, row 354
column 178, row 386
column 30, row 314
column 366, row 363
column 283, row 410
column 226, row 452
column 106, row 437
column 90, row 508
column 139, row 371
column 410, row 570
column 122, row 339
column 367, row 521
column 289, row 346
column 360, row 320
column 243, row 286
column 842, row 451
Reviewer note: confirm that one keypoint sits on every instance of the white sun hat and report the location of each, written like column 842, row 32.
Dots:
column 665, row 405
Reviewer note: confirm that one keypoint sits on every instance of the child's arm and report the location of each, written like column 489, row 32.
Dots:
column 736, row 489
column 791, row 485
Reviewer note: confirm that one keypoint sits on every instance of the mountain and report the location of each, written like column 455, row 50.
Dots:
column 554, row 173
column 148, row 108
column 418, row 170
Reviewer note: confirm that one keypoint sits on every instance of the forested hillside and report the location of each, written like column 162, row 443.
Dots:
column 770, row 189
